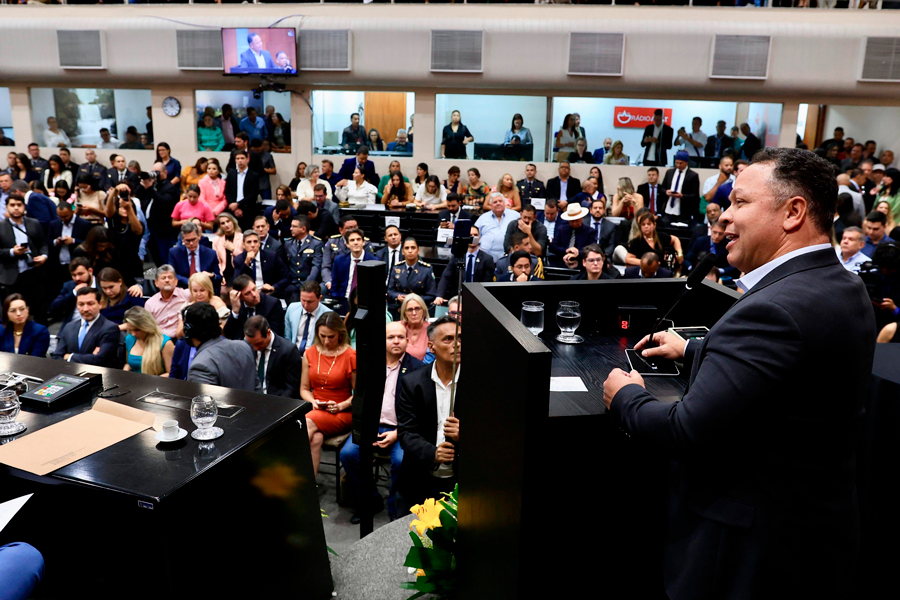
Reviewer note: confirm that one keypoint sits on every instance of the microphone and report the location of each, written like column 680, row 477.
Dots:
column 694, row 278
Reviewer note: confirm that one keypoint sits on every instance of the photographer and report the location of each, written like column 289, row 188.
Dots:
column 126, row 223
column 158, row 197
column 882, row 279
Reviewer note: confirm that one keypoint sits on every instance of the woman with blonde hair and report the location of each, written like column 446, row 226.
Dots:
column 626, row 202
column 201, row 289
column 306, row 187
column 327, row 380
column 414, row 315
column 883, row 206
column 507, row 187
column 228, row 241
column 149, row 349
column 615, row 156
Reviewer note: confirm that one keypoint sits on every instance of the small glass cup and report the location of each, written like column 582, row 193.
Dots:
column 9, row 412
column 204, row 413
column 532, row 316
column 568, row 318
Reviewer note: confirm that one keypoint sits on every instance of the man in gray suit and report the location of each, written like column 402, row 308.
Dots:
column 228, row 363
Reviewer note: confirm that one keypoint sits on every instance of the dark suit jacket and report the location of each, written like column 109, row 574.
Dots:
column 80, row 227
column 104, row 334
column 763, row 495
column 41, row 208
column 644, row 190
column 444, row 215
column 635, row 273
column 283, row 370
column 181, row 360
column 690, row 189
column 282, row 229
column 340, row 273
column 346, row 171
column 273, row 244
column 537, row 230
column 607, row 239
column 130, row 178
column 703, row 244
column 35, row 340
column 268, row 307
column 274, row 271
column 484, row 272
column 584, row 235
column 249, row 61
column 573, row 188
column 751, row 146
column 207, row 259
column 710, row 150
column 666, row 135
column 9, row 264
column 63, row 306
column 251, row 191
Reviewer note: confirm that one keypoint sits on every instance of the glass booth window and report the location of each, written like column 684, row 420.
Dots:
column 6, row 128
column 382, row 121
column 490, row 127
column 230, row 112
column 616, row 130
column 90, row 118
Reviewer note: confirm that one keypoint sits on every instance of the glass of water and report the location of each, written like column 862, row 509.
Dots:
column 204, row 413
column 9, row 412
column 533, row 316
column 568, row 319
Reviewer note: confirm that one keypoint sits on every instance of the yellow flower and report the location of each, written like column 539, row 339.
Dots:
column 420, row 573
column 277, row 481
column 429, row 514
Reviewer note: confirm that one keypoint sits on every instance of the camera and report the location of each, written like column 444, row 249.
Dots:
column 871, row 276
column 885, row 265
column 124, row 194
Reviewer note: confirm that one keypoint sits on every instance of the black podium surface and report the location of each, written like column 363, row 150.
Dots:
column 140, row 518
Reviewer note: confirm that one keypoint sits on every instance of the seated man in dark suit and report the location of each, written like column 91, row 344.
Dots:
column 262, row 229
column 594, row 264
column 321, row 222
column 266, row 268
column 344, row 275
column 80, row 275
column 279, row 217
column 190, row 257
column 366, row 167
column 681, row 187
column 246, row 301
column 277, row 360
column 392, row 253
column 720, row 144
column 563, row 187
column 571, row 236
column 714, row 243
column 479, row 268
column 242, row 190
column 520, row 242
column 66, row 234
column 648, row 269
column 532, row 228
column 429, row 437
column 92, row 339
column 454, row 212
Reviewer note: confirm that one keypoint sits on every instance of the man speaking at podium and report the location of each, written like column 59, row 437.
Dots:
column 762, row 496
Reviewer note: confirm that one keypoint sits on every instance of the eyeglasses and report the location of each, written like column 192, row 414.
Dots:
column 414, row 309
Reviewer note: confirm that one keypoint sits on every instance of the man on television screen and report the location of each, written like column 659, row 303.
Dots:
column 284, row 63
column 255, row 57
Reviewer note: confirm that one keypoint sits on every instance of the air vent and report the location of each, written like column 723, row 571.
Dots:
column 456, row 51
column 881, row 61
column 199, row 49
column 740, row 57
column 324, row 50
column 81, row 49
column 596, row 53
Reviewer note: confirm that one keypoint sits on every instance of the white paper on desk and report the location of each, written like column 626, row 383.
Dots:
column 395, row 221
column 567, row 384
column 444, row 234
column 538, row 203
column 9, row 509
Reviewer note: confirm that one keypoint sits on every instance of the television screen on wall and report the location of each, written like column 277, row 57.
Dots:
column 260, row 51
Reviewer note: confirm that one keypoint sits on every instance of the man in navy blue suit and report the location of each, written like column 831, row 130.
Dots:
column 246, row 302
column 571, row 236
column 92, row 339
column 80, row 275
column 190, row 257
column 65, row 234
column 37, row 206
column 365, row 166
column 255, row 57
column 266, row 268
column 343, row 274
column 648, row 269
column 714, row 244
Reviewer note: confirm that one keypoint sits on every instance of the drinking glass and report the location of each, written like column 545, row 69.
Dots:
column 204, row 413
column 568, row 318
column 533, row 316
column 9, row 411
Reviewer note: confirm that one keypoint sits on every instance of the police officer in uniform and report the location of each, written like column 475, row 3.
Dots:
column 411, row 277
column 303, row 256
column 93, row 170
column 531, row 187
column 335, row 246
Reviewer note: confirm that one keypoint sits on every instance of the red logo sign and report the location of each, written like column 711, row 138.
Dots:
column 633, row 116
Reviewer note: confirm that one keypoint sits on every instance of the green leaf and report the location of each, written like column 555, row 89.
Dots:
column 448, row 522
column 416, row 540
column 449, row 508
column 413, row 559
column 332, row 551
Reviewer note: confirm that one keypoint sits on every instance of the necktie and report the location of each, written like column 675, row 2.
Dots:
column 653, row 199
column 597, row 230
column 470, row 269
column 355, row 271
column 452, row 218
column 193, row 264
column 82, row 333
column 251, row 312
column 675, row 189
column 253, row 268
column 261, row 368
column 712, row 247
column 302, row 344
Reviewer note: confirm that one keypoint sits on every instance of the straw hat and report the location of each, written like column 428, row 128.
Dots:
column 574, row 212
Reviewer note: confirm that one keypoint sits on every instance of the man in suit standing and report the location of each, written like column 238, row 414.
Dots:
column 763, row 491
column 158, row 197
column 277, row 360
column 656, row 141
column 255, row 57
column 751, row 145
column 479, row 268
column 23, row 253
column 65, row 234
column 190, row 257
column 242, row 190
column 362, row 163
column 303, row 256
column 651, row 191
column 265, row 268
column 681, row 188
column 38, row 206
column 563, row 187
column 92, row 339
column 531, row 186
column 228, row 363
column 717, row 145
column 118, row 173
column 246, row 301
column 428, row 430
column 301, row 316
column 648, row 269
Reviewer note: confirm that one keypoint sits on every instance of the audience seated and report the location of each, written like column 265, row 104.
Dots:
column 563, row 187
column 493, row 225
column 117, row 298
column 412, row 277
column 454, row 211
column 714, row 243
column 82, row 275
column 321, row 222
column 92, row 339
column 148, row 350
column 533, row 229
column 475, row 191
column 279, row 217
column 276, row 359
column 19, row 334
column 337, row 245
column 361, row 162
column 519, row 265
column 192, row 210
column 247, row 301
column 165, row 305
column 218, row 361
column 266, row 241
column 228, row 241
column 648, row 268
column 649, row 240
column 344, row 277
column 190, row 257
column 328, row 379
column 571, row 236
column 264, row 267
column 479, row 267
column 593, row 263
column 519, row 242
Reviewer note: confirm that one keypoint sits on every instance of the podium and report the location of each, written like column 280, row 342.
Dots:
column 552, row 494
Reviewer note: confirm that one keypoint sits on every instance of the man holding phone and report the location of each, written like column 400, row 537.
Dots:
column 23, row 251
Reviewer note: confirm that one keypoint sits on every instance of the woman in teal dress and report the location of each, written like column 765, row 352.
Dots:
column 149, row 350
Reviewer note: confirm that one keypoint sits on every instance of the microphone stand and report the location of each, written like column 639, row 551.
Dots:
column 459, row 248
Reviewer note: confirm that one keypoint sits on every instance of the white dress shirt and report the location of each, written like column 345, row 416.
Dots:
column 354, row 261
column 711, row 181
column 241, row 176
column 260, row 59
column 361, row 195
column 551, row 227
column 697, row 136
column 443, row 412
column 673, row 205
column 394, row 257
column 748, row 281
column 854, row 262
column 265, row 364
column 651, row 153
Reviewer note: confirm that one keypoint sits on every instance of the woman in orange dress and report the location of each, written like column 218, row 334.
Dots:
column 327, row 380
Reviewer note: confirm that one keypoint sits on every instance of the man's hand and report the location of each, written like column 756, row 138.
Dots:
column 722, row 178
column 616, row 381
column 328, row 285
column 39, row 260
column 444, row 453
column 250, row 255
column 233, row 206
column 665, row 345
column 451, row 429
column 65, row 241
column 885, row 304
column 96, row 351
column 400, row 297
column 136, row 291
column 78, row 286
column 386, row 439
column 439, row 301
column 19, row 250
column 267, row 288
column 235, row 297
column 522, row 277
column 524, row 227
column 67, row 356
column 239, row 214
